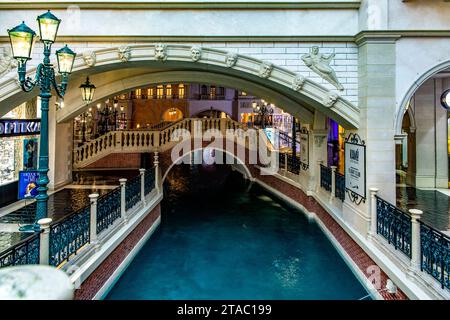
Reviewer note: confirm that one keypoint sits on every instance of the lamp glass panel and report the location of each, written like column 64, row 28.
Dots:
column 65, row 62
column 21, row 43
column 48, row 29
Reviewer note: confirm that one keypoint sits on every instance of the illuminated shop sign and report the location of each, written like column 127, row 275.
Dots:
column 22, row 127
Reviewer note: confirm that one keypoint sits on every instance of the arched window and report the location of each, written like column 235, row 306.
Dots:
column 204, row 90
column 221, row 92
column 169, row 91
column 181, row 91
column 150, row 93
column 138, row 93
column 212, row 92
column 160, row 91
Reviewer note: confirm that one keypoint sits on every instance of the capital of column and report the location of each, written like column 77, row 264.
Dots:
column 142, row 171
column 123, row 181
column 373, row 191
column 45, row 223
column 415, row 214
column 93, row 197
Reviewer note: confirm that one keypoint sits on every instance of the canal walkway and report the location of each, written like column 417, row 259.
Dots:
column 61, row 203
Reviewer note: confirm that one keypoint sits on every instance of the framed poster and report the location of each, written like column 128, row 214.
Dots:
column 304, row 148
column 30, row 152
column 355, row 168
column 28, row 184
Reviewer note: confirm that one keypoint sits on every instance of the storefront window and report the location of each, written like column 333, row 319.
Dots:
column 19, row 152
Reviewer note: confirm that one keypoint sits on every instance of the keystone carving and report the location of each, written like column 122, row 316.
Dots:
column 124, row 53
column 298, row 82
column 196, row 53
column 265, row 69
column 231, row 59
column 161, row 52
column 330, row 99
column 89, row 58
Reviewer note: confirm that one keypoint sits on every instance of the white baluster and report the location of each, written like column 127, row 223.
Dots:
column 44, row 241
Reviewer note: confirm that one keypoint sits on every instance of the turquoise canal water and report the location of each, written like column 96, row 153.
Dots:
column 221, row 238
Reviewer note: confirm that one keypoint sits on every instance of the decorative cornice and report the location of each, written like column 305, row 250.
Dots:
column 197, row 5
column 360, row 37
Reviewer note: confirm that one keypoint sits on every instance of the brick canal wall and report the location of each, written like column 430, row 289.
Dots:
column 101, row 275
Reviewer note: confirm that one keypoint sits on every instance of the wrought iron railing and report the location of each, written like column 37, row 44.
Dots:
column 339, row 191
column 282, row 159
column 149, row 181
column 435, row 254
column 24, row 252
column 69, row 235
column 108, row 209
column 132, row 192
column 394, row 225
column 293, row 163
column 325, row 177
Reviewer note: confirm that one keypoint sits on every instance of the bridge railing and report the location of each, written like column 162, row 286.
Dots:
column 145, row 140
column 61, row 241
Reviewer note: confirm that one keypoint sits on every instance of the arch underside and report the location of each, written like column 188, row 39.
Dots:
column 112, row 77
column 402, row 109
column 188, row 154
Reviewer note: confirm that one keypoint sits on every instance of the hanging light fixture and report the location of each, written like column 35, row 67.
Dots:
column 87, row 91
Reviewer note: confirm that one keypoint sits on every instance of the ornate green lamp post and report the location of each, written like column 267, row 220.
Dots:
column 22, row 38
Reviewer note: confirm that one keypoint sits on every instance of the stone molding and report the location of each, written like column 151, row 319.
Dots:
column 181, row 55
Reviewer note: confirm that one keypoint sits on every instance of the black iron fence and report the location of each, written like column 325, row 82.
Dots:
column 394, row 225
column 339, row 191
column 325, row 177
column 69, row 235
column 435, row 254
column 24, row 252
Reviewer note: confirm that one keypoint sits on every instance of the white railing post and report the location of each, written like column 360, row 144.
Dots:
column 123, row 211
column 373, row 213
column 93, row 197
column 44, row 241
column 319, row 162
column 142, row 173
column 333, row 182
column 156, row 164
column 415, row 239
column 285, row 164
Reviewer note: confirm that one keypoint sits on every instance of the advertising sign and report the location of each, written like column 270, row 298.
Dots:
column 304, row 147
column 28, row 184
column 19, row 127
column 355, row 168
column 30, row 154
